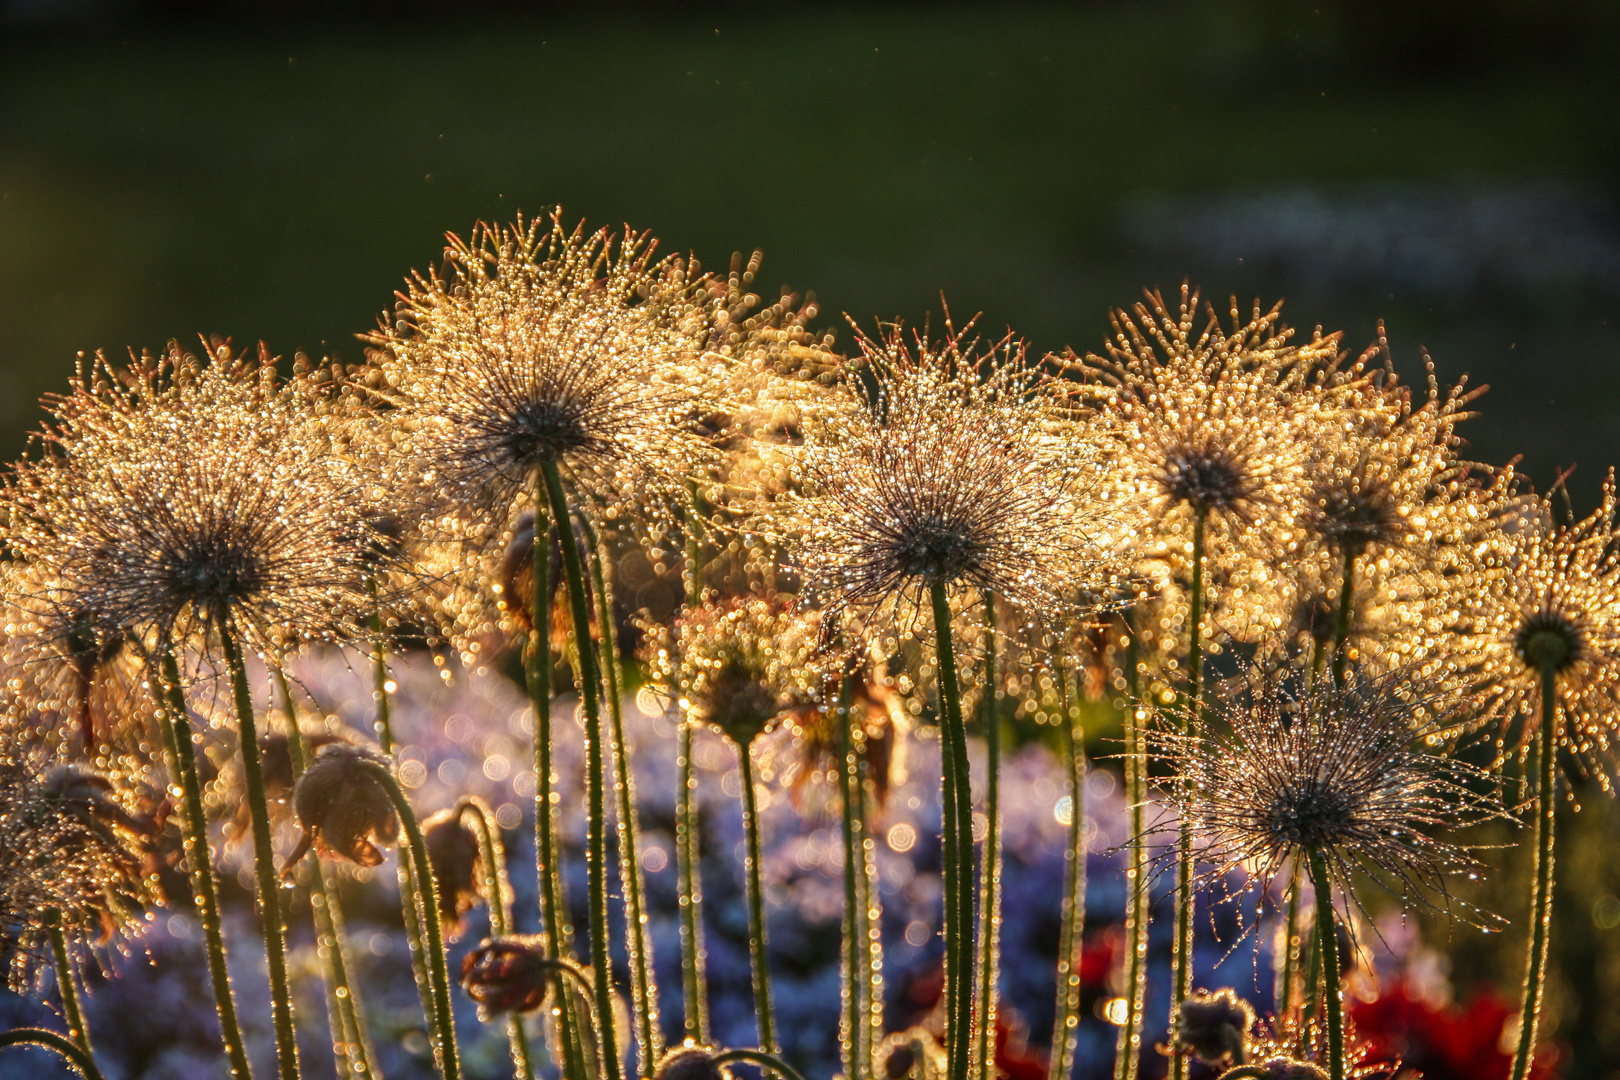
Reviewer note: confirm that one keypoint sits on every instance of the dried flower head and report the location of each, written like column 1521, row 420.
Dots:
column 689, row 1062
column 454, row 854
column 1275, row 775
column 175, row 499
column 343, row 807
column 944, row 463
column 540, row 345
column 1213, row 1027
column 1555, row 609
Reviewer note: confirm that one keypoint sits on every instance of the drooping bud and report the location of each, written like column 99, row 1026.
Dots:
column 343, row 808
column 453, row 853
column 509, row 974
column 1213, row 1027
column 1289, row 1069
column 689, row 1062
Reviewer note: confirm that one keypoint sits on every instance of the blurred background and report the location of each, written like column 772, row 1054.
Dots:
column 272, row 171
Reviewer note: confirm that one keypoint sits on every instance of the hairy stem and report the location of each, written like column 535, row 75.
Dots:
column 852, row 1034
column 1066, row 1019
column 1128, row 1049
column 596, row 796
column 67, row 986
column 1331, row 991
column 638, row 945
column 1181, row 961
column 958, row 830
column 203, row 885
column 988, row 929
column 688, row 857
column 758, row 945
column 1341, row 629
column 76, row 1055
column 1288, row 959
column 498, row 895
column 264, row 861
column 1535, row 963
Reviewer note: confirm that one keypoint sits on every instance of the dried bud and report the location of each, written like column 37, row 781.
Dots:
column 344, row 808
column 510, row 974
column 1212, row 1027
column 1289, row 1069
column 689, row 1062
column 453, row 853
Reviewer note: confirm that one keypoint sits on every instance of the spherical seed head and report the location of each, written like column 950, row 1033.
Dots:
column 343, row 807
column 536, row 346
column 689, row 1062
column 174, row 498
column 943, row 463
column 457, row 860
column 508, row 975
column 1553, row 608
column 1213, row 1027
column 1277, row 774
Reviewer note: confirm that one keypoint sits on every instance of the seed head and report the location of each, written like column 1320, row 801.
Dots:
column 1213, row 1027
column 343, row 807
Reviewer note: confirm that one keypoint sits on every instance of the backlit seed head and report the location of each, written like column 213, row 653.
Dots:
column 1214, row 1027
column 343, row 807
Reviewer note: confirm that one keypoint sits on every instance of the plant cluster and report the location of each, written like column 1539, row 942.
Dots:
column 1307, row 601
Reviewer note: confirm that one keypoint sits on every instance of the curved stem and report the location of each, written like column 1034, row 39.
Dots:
column 1128, row 1049
column 67, row 986
column 638, row 946
column 346, row 1014
column 498, row 896
column 264, row 861
column 958, row 829
column 758, row 1057
column 988, row 929
column 1246, row 1072
column 78, row 1057
column 1066, row 1019
column 1341, row 631
column 1535, row 964
column 758, row 945
column 1181, row 979
column 1331, row 990
column 688, row 856
column 438, row 970
column 852, row 1027
column 203, row 886
column 596, row 796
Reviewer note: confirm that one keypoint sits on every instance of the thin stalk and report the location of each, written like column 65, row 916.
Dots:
column 756, row 1057
column 852, row 1029
column 1535, row 964
column 1128, row 1050
column 1066, row 1022
column 1289, row 961
column 554, row 920
column 264, row 861
column 638, row 946
column 444, row 1033
column 871, row 910
column 758, row 945
column 203, row 886
column 67, row 985
column 1331, row 990
column 346, row 1014
column 381, row 696
column 76, row 1056
column 688, row 857
column 1341, row 629
column 988, row 930
column 958, row 829
column 498, row 895
column 596, row 796
column 1181, row 960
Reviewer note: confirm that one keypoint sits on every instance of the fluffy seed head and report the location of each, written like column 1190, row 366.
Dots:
column 1213, row 1027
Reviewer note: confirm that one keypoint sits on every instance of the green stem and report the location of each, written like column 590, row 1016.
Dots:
column 203, row 885
column 758, row 946
column 596, row 796
column 1181, row 979
column 988, row 929
column 1066, row 1022
column 554, row 921
column 1127, row 1054
column 346, row 1014
column 688, row 857
column 76, row 1056
column 1535, row 965
column 852, row 1034
column 264, row 860
column 1284, row 993
column 66, row 985
column 1341, row 630
column 638, row 946
column 958, row 829
column 869, row 901
column 1331, row 991
column 498, row 895
column 757, row 1057
column 444, row 1035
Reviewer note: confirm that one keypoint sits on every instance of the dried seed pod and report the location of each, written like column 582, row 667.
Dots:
column 344, row 808
column 689, row 1062
column 509, row 974
column 1213, row 1027
column 454, row 854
